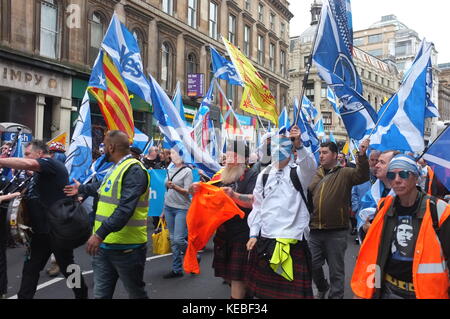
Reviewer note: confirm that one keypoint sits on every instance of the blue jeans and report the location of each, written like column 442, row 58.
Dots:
column 112, row 264
column 176, row 223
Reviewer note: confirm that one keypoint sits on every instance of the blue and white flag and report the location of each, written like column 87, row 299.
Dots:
column 283, row 122
column 402, row 118
column 332, row 139
column 124, row 50
column 319, row 128
column 333, row 57
column 147, row 148
column 332, row 98
column 178, row 101
column 173, row 127
column 79, row 156
column 99, row 169
column 140, row 139
column 308, row 136
column 438, row 158
column 224, row 69
column 310, row 109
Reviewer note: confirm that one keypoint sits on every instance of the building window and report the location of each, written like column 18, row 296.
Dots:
column 306, row 61
column 247, row 33
column 403, row 48
column 247, row 5
column 232, row 29
column 272, row 57
column 192, row 13
column 261, row 13
column 97, row 24
column 376, row 38
column 213, row 20
column 323, row 92
column 358, row 42
column 283, row 63
column 272, row 21
column 260, row 49
column 309, row 92
column 166, row 66
column 167, row 6
column 191, row 63
column 49, row 29
column 327, row 118
column 282, row 31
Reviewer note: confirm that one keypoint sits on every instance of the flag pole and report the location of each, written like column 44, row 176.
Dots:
column 308, row 70
column 228, row 102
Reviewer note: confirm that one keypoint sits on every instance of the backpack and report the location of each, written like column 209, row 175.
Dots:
column 295, row 181
column 69, row 223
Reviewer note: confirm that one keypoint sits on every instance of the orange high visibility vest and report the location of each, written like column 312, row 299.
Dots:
column 430, row 181
column 210, row 208
column 430, row 273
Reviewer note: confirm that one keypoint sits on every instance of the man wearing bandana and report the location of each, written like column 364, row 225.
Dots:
column 280, row 262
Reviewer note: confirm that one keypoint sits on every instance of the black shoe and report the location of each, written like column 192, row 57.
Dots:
column 322, row 294
column 173, row 274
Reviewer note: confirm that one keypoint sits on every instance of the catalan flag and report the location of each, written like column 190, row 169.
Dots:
column 257, row 98
column 107, row 86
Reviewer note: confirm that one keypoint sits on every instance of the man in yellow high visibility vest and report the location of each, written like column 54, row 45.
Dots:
column 119, row 240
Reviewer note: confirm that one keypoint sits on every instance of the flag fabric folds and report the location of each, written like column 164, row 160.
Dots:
column 438, row 158
column 283, row 122
column 333, row 57
column 79, row 155
column 224, row 69
column 140, row 139
column 61, row 138
column 122, row 47
column 109, row 89
column 308, row 135
column 229, row 117
column 333, row 100
column 178, row 101
column 257, row 98
column 209, row 209
column 402, row 118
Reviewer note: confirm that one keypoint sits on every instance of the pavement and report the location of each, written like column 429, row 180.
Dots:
column 202, row 286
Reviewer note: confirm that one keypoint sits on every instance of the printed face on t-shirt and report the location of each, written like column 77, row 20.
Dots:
column 403, row 246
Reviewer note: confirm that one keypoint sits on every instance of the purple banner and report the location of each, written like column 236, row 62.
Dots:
column 195, row 84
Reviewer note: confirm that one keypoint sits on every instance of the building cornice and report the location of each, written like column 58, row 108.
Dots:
column 282, row 9
column 234, row 6
column 248, row 17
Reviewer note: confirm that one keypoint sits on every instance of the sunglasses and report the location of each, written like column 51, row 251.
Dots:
column 403, row 175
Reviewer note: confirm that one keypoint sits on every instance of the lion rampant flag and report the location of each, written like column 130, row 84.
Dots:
column 257, row 98
column 61, row 138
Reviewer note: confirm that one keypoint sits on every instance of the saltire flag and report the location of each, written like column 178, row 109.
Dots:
column 122, row 47
column 402, row 118
column 319, row 128
column 257, row 98
column 224, row 69
column 99, row 169
column 79, row 155
column 438, row 157
column 179, row 136
column 109, row 89
column 140, row 139
column 310, row 109
column 332, row 98
column 284, row 122
column 61, row 138
column 333, row 57
column 308, row 136
column 178, row 101
column 201, row 119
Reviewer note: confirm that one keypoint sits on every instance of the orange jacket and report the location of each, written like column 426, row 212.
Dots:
column 430, row 274
column 210, row 208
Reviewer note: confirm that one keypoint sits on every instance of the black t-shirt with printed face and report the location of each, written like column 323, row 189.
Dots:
column 400, row 262
column 45, row 188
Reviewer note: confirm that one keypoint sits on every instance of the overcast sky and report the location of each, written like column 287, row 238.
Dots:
column 429, row 18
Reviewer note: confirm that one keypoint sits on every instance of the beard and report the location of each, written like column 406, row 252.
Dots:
column 231, row 174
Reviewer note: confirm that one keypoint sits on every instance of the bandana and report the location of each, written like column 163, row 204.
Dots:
column 404, row 162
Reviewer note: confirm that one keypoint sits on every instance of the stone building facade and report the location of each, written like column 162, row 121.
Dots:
column 47, row 49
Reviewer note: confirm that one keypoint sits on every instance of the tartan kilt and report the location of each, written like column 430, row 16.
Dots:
column 230, row 260
column 264, row 283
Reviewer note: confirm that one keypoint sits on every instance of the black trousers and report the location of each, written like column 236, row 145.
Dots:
column 41, row 249
column 4, row 229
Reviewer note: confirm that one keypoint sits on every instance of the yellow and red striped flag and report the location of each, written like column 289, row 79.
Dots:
column 61, row 138
column 108, row 87
column 257, row 98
